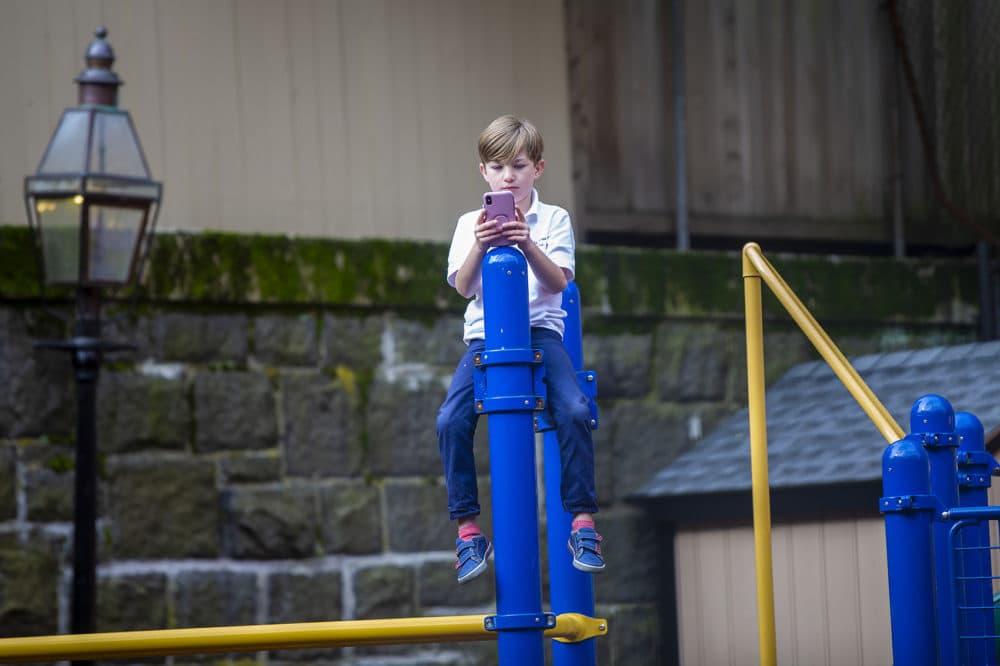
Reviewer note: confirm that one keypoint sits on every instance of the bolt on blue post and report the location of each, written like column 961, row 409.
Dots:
column 510, row 402
column 909, row 510
column 932, row 420
column 975, row 469
column 570, row 590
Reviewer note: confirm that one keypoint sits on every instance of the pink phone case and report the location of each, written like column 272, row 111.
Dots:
column 499, row 206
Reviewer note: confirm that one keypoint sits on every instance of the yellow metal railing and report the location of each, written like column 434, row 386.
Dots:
column 755, row 269
column 569, row 628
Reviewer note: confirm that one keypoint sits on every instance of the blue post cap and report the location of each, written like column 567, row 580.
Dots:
column 932, row 414
column 906, row 469
column 970, row 430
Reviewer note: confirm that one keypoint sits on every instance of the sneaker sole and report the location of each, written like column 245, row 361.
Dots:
column 582, row 566
column 480, row 568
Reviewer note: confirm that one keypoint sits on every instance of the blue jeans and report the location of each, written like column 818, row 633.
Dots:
column 456, row 426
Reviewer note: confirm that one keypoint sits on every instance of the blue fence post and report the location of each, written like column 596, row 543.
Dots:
column 570, row 590
column 509, row 400
column 909, row 510
column 932, row 419
column 975, row 468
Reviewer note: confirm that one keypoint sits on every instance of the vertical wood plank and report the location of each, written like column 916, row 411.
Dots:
column 688, row 576
column 873, row 580
column 842, row 591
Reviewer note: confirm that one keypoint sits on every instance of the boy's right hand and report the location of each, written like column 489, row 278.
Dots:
column 489, row 233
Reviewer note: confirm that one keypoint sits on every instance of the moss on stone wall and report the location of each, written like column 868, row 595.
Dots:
column 226, row 268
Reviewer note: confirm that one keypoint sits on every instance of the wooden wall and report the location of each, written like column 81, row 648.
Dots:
column 790, row 111
column 346, row 118
column 831, row 595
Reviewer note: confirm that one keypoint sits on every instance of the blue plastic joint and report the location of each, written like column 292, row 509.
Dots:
column 904, row 503
column 519, row 621
column 587, row 379
column 509, row 403
column 938, row 440
column 973, row 480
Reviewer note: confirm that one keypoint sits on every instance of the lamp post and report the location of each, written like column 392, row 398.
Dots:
column 92, row 208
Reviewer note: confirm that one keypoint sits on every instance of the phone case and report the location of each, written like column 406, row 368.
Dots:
column 499, row 206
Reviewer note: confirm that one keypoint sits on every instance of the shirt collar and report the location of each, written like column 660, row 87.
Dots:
column 532, row 212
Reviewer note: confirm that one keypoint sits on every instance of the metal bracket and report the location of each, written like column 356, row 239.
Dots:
column 901, row 503
column 938, row 440
column 486, row 404
column 579, row 627
column 519, row 621
column 587, row 379
column 973, row 480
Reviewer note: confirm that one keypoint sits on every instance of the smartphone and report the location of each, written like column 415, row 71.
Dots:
column 499, row 206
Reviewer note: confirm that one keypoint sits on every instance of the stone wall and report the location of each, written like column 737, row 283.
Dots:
column 268, row 452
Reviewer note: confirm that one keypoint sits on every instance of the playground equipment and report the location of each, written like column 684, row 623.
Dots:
column 937, row 538
column 756, row 269
column 509, row 387
column 935, row 482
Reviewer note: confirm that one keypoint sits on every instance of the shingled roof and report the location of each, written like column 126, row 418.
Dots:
column 818, row 435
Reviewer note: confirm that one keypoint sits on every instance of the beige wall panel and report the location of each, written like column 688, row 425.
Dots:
column 873, row 582
column 203, row 184
column 313, row 117
column 841, row 580
column 830, row 586
column 690, row 592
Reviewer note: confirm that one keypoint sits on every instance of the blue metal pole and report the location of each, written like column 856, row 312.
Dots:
column 570, row 590
column 519, row 620
column 932, row 419
column 975, row 466
column 909, row 510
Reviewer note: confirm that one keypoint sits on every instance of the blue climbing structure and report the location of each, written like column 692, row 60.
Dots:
column 509, row 386
column 935, row 482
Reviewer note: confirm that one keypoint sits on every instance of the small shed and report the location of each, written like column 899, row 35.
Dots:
column 828, row 543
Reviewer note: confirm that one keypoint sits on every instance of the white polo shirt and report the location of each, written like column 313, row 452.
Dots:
column 552, row 231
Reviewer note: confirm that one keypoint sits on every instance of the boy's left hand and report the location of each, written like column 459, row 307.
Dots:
column 516, row 231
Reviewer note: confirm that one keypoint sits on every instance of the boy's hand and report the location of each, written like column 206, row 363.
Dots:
column 516, row 232
column 489, row 233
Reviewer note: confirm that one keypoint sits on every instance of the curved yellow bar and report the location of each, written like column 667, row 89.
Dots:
column 570, row 627
column 755, row 269
column 857, row 387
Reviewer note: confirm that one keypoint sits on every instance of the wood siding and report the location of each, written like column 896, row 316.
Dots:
column 790, row 111
column 831, row 593
column 830, row 586
column 349, row 118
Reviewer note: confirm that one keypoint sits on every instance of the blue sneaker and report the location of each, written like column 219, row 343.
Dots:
column 585, row 544
column 472, row 556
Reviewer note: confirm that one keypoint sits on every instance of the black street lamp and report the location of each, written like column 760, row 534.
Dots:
column 92, row 208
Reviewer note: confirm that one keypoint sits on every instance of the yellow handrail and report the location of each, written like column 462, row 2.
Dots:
column 570, row 627
column 755, row 269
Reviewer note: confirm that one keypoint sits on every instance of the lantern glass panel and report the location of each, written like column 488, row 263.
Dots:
column 113, row 239
column 68, row 147
column 59, row 226
column 116, row 148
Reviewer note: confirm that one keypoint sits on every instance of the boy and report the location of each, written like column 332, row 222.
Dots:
column 510, row 153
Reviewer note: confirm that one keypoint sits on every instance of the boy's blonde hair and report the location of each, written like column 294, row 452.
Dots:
column 507, row 136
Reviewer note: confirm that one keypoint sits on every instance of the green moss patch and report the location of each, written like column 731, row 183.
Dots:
column 212, row 269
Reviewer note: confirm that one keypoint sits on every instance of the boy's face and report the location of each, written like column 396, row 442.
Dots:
column 518, row 176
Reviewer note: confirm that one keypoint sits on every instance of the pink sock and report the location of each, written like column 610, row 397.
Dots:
column 468, row 530
column 580, row 522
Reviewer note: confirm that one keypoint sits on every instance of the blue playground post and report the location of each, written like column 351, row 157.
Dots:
column 932, row 420
column 909, row 510
column 975, row 467
column 510, row 400
column 570, row 590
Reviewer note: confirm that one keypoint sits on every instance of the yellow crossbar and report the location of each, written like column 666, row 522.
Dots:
column 756, row 269
column 570, row 627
